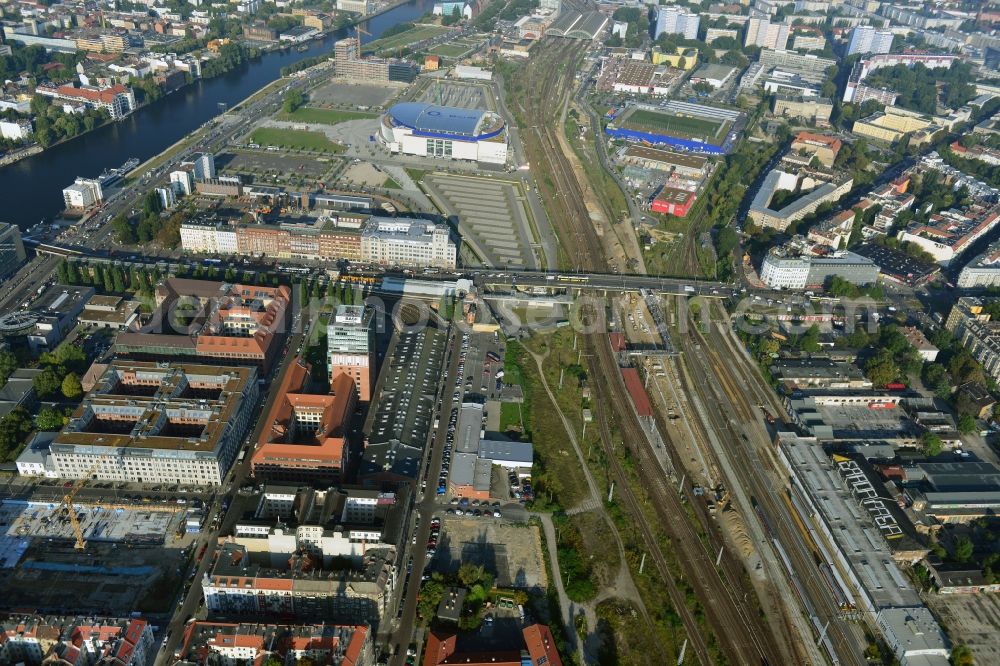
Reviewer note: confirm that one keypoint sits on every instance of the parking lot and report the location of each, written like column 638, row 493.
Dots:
column 493, row 218
column 512, row 553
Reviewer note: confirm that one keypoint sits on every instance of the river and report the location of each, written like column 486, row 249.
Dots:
column 32, row 188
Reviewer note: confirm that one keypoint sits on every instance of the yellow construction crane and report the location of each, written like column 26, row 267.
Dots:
column 71, row 510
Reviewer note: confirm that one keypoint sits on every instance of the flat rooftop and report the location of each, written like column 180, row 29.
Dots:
column 852, row 527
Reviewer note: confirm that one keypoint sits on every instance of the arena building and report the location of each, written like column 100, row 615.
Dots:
column 427, row 130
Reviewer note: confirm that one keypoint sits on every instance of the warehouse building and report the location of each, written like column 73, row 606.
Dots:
column 158, row 423
column 427, row 130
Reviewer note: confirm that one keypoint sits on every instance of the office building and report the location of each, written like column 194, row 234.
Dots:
column 348, row 63
column 84, row 193
column 147, row 422
column 761, row 32
column 866, row 39
column 240, row 583
column 408, row 242
column 200, row 320
column 253, row 643
column 304, row 439
column 202, row 166
column 12, row 253
column 350, row 341
column 784, row 270
column 54, row 313
column 674, row 20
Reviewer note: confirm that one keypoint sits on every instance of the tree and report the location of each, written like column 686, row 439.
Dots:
column 46, row 383
column 294, row 99
column 13, row 429
column 809, row 342
column 963, row 549
column 966, row 424
column 50, row 419
column 71, row 387
column 8, row 364
column 470, row 574
column 123, row 230
column 881, row 369
column 930, row 444
column 961, row 655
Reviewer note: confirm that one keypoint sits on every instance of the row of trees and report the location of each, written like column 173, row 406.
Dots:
column 53, row 125
column 110, row 279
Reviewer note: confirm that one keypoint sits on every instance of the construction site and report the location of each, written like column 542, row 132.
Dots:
column 90, row 556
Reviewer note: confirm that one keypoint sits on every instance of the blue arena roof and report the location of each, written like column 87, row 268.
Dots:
column 444, row 121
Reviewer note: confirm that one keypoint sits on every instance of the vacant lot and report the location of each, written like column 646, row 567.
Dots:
column 512, row 553
column 325, row 116
column 353, row 95
column 646, row 120
column 971, row 620
column 260, row 163
column 297, row 139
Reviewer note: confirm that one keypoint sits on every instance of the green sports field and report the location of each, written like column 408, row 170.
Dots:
column 685, row 127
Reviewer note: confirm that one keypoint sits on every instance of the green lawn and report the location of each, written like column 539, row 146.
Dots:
column 297, row 139
column 391, row 184
column 308, row 114
column 449, row 50
column 418, row 33
column 668, row 123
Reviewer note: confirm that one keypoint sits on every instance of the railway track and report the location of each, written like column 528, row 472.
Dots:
column 720, row 372
column 742, row 637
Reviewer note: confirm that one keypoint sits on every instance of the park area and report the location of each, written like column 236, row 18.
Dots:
column 669, row 124
column 294, row 139
column 308, row 114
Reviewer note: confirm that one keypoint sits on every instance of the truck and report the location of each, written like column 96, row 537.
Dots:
column 688, row 289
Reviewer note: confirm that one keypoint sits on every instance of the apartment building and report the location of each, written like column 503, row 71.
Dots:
column 823, row 147
column 894, row 123
column 761, row 32
column 80, row 641
column 147, row 422
column 356, row 6
column 117, row 100
column 819, row 187
column 867, row 39
column 252, row 643
column 949, row 233
column 674, row 20
column 983, row 271
column 973, row 326
column 240, row 584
